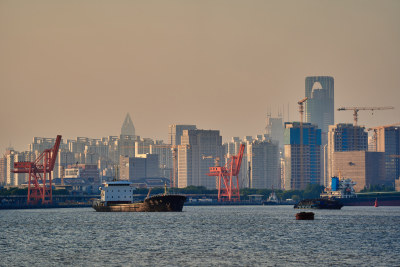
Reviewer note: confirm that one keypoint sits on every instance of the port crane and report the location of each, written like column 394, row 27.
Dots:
column 39, row 191
column 357, row 109
column 376, row 129
column 228, row 189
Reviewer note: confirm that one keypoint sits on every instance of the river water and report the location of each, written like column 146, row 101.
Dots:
column 201, row 236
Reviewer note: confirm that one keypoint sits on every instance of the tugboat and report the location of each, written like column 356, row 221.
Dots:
column 117, row 196
column 272, row 199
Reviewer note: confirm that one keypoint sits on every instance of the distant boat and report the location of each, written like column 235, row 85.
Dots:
column 272, row 199
column 305, row 216
column 376, row 203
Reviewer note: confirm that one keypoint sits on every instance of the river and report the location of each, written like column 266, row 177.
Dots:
column 201, row 236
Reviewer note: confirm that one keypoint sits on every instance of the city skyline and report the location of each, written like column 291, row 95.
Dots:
column 77, row 68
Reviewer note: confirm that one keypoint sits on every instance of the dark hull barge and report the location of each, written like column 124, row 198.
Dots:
column 319, row 203
column 157, row 203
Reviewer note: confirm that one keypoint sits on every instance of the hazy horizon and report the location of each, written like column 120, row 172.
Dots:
column 76, row 68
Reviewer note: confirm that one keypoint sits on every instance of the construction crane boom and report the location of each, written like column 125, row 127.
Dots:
column 301, row 110
column 356, row 109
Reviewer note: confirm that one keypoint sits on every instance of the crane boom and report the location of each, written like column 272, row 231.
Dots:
column 356, row 109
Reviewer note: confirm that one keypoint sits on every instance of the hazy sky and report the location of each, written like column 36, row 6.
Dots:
column 77, row 67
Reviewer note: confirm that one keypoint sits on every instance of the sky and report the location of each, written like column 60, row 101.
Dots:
column 76, row 68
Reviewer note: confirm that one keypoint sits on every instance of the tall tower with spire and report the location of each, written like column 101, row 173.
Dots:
column 127, row 127
column 127, row 138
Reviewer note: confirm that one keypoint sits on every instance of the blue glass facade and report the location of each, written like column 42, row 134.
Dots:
column 310, row 164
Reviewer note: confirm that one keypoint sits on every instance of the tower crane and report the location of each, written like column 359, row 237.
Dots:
column 375, row 134
column 39, row 173
column 228, row 190
column 301, row 111
column 356, row 109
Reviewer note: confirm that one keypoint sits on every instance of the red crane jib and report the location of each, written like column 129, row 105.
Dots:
column 228, row 189
column 39, row 173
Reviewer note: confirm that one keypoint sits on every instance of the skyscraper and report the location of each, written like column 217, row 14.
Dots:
column 264, row 164
column 175, row 132
column 274, row 129
column 197, row 153
column 319, row 107
column 126, row 143
column 127, row 127
column 302, row 165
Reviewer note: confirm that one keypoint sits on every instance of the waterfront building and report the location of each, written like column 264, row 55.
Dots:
column 64, row 158
column 319, row 108
column 264, row 163
column 363, row 167
column 302, row 165
column 199, row 150
column 388, row 141
column 88, row 172
column 175, row 132
column 343, row 137
column 3, row 170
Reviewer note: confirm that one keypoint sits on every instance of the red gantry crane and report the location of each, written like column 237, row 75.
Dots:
column 39, row 191
column 228, row 189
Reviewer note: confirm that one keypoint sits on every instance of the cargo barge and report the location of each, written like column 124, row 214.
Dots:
column 343, row 191
column 319, row 203
column 118, row 197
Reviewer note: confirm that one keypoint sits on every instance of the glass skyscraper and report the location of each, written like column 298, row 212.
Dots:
column 319, row 108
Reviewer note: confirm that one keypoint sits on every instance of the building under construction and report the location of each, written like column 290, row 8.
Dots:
column 302, row 157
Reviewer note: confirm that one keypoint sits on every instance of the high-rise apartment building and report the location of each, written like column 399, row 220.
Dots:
column 302, row 159
column 175, row 132
column 388, row 141
column 198, row 152
column 343, row 137
column 264, row 162
column 319, row 108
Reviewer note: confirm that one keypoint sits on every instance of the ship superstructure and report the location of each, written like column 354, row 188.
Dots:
column 117, row 192
column 340, row 188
